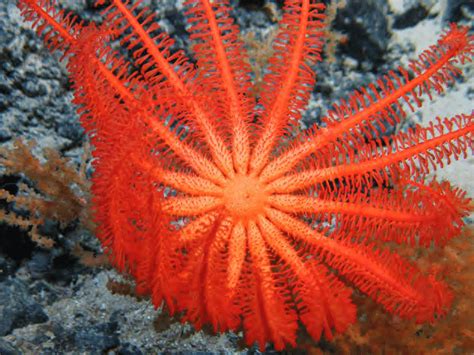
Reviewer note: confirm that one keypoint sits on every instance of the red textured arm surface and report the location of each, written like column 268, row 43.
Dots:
column 195, row 197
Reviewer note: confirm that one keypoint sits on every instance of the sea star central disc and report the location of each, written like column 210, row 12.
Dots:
column 244, row 197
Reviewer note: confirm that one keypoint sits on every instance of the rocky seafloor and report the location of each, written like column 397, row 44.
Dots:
column 50, row 302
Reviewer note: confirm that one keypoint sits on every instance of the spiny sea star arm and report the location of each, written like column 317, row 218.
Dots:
column 304, row 204
column 223, row 71
column 268, row 317
column 176, row 263
column 203, row 275
column 190, row 206
column 194, row 230
column 188, row 183
column 160, row 66
column 184, row 182
column 388, row 279
column 158, row 273
column 433, row 213
column 120, row 227
column 237, row 252
column 185, row 251
column 59, row 29
column 290, row 79
column 62, row 31
column 323, row 302
column 92, row 98
column 93, row 61
column 375, row 106
column 409, row 154
column 200, row 164
column 221, row 310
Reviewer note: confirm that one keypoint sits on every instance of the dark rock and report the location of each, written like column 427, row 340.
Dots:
column 17, row 307
column 411, row 17
column 5, row 135
column 65, row 269
column 33, row 87
column 6, row 267
column 252, row 4
column 44, row 292
column 15, row 243
column 64, row 337
column 365, row 24
column 458, row 10
column 4, row 84
column 49, row 228
column 255, row 20
column 99, row 337
column 70, row 128
column 128, row 349
column 40, row 264
column 8, row 349
column 117, row 317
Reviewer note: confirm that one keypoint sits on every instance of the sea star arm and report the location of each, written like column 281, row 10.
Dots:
column 433, row 213
column 324, row 303
column 204, row 272
column 59, row 29
column 185, row 182
column 410, row 154
column 120, row 225
column 190, row 206
column 267, row 316
column 375, row 106
column 91, row 83
column 155, row 273
column 195, row 229
column 287, row 86
column 388, row 279
column 172, row 255
column 237, row 252
column 221, row 58
column 159, row 65
column 95, row 66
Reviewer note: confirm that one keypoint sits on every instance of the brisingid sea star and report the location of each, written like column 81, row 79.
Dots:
column 196, row 196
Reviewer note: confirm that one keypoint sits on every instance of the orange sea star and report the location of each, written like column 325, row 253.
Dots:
column 197, row 198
